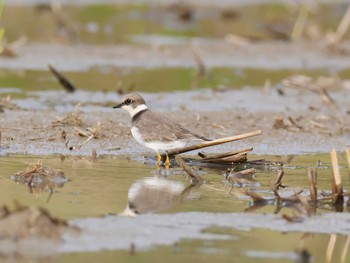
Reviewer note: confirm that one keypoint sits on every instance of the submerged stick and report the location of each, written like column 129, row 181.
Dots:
column 197, row 178
column 215, row 142
column 255, row 197
column 278, row 182
column 337, row 190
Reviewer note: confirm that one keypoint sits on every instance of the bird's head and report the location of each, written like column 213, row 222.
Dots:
column 132, row 103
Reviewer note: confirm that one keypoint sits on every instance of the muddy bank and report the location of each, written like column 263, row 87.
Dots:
column 147, row 231
column 294, row 123
column 215, row 53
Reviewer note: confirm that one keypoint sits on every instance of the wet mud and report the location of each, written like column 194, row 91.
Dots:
column 294, row 123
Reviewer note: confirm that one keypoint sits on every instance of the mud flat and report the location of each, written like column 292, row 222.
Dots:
column 293, row 123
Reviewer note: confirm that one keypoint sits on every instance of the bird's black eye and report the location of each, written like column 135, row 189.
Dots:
column 127, row 102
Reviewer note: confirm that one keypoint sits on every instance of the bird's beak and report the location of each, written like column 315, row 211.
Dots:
column 118, row 106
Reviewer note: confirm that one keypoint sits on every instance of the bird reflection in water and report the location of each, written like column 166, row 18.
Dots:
column 155, row 194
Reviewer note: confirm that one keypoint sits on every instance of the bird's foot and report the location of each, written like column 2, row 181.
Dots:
column 160, row 161
column 167, row 162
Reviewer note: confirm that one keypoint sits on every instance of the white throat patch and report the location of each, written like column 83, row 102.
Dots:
column 133, row 111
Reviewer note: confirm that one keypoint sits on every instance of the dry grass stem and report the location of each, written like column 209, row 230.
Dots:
column 72, row 119
column 347, row 151
column 278, row 182
column 334, row 39
column 90, row 134
column 199, row 61
column 300, row 22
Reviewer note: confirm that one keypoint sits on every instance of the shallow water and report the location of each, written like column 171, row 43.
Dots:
column 100, row 188
column 108, row 79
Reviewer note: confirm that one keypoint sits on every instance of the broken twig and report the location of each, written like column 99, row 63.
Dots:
column 312, row 178
column 67, row 85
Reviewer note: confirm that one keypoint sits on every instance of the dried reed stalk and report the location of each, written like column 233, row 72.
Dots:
column 337, row 189
column 215, row 142
column 343, row 26
column 347, row 151
column 330, row 247
column 345, row 250
column 198, row 58
column 312, row 178
column 240, row 157
column 300, row 23
column 222, row 155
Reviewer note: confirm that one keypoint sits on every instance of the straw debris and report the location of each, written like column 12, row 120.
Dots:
column 6, row 103
column 71, row 119
column 39, row 177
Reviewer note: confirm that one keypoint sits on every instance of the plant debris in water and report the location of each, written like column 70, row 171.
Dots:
column 39, row 177
column 304, row 205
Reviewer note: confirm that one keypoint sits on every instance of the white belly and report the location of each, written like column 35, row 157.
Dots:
column 157, row 146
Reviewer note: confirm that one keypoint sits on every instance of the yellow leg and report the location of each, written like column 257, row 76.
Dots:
column 159, row 159
column 167, row 162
